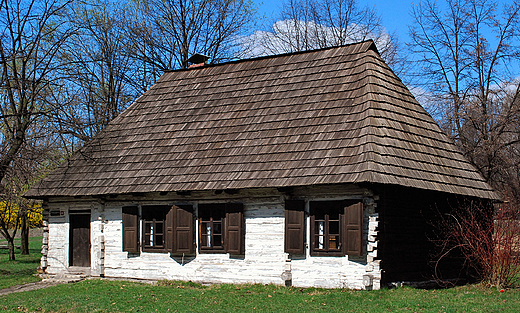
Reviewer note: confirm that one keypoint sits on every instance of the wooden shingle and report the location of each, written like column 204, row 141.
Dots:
column 330, row 116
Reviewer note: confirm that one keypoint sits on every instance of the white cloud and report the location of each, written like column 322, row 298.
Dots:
column 294, row 35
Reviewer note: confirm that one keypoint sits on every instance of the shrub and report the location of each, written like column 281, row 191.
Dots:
column 9, row 214
column 487, row 238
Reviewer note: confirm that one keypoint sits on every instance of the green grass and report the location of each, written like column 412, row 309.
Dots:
column 22, row 270
column 166, row 296
column 122, row 296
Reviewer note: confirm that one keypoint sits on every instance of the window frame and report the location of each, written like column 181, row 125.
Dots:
column 232, row 227
column 330, row 207
column 154, row 215
column 212, row 209
column 350, row 227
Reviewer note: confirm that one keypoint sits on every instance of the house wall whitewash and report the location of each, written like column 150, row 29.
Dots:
column 264, row 260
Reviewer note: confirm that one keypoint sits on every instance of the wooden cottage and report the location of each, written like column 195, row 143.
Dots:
column 316, row 168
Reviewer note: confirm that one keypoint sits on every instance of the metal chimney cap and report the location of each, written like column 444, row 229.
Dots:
column 198, row 58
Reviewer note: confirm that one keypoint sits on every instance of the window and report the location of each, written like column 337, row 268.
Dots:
column 154, row 228
column 211, row 219
column 336, row 227
column 221, row 228
column 325, row 227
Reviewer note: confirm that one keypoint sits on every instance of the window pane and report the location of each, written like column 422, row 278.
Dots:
column 147, row 227
column 319, row 227
column 204, row 241
column 333, row 227
column 333, row 242
column 148, row 237
column 159, row 228
column 217, row 228
column 205, row 228
column 217, row 240
column 320, row 232
column 159, row 240
column 208, row 234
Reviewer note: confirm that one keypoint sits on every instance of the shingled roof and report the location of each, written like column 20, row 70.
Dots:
column 336, row 115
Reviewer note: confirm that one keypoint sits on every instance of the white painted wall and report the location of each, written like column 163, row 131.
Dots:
column 58, row 246
column 264, row 260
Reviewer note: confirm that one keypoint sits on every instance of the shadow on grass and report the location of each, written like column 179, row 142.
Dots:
column 23, row 269
column 35, row 261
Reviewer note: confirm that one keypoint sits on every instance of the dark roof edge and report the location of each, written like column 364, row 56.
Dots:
column 480, row 193
column 371, row 47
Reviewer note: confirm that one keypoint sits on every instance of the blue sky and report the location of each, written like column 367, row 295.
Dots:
column 395, row 14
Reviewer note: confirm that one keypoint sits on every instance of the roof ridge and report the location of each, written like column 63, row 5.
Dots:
column 369, row 44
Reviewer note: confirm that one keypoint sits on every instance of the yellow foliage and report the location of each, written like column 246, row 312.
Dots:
column 9, row 214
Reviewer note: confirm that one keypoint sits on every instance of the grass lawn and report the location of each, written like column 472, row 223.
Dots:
column 121, row 296
column 22, row 270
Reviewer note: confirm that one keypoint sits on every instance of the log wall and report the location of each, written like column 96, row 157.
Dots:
column 264, row 260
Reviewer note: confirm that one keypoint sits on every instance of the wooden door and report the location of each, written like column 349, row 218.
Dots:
column 79, row 244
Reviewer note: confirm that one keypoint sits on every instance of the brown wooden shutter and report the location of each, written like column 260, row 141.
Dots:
column 179, row 230
column 234, row 237
column 295, row 226
column 169, row 223
column 131, row 229
column 354, row 229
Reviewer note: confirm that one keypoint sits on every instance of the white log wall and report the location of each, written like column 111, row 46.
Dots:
column 264, row 260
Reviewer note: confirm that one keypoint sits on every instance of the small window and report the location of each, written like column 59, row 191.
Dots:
column 211, row 222
column 336, row 228
column 221, row 228
column 154, row 228
column 325, row 227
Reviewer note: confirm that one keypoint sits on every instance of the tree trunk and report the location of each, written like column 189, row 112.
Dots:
column 24, row 245
column 10, row 243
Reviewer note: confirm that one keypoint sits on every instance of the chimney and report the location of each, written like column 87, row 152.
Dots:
column 197, row 60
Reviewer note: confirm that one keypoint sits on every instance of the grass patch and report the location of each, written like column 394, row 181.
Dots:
column 22, row 270
column 166, row 296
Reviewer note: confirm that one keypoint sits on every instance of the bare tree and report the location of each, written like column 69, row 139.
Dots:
column 31, row 34
column 167, row 32
column 96, row 80
column 465, row 55
column 313, row 24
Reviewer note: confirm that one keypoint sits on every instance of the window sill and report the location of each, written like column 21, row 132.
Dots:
column 162, row 250
column 212, row 251
column 323, row 253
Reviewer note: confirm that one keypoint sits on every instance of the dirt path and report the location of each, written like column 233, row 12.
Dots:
column 64, row 280
column 28, row 287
